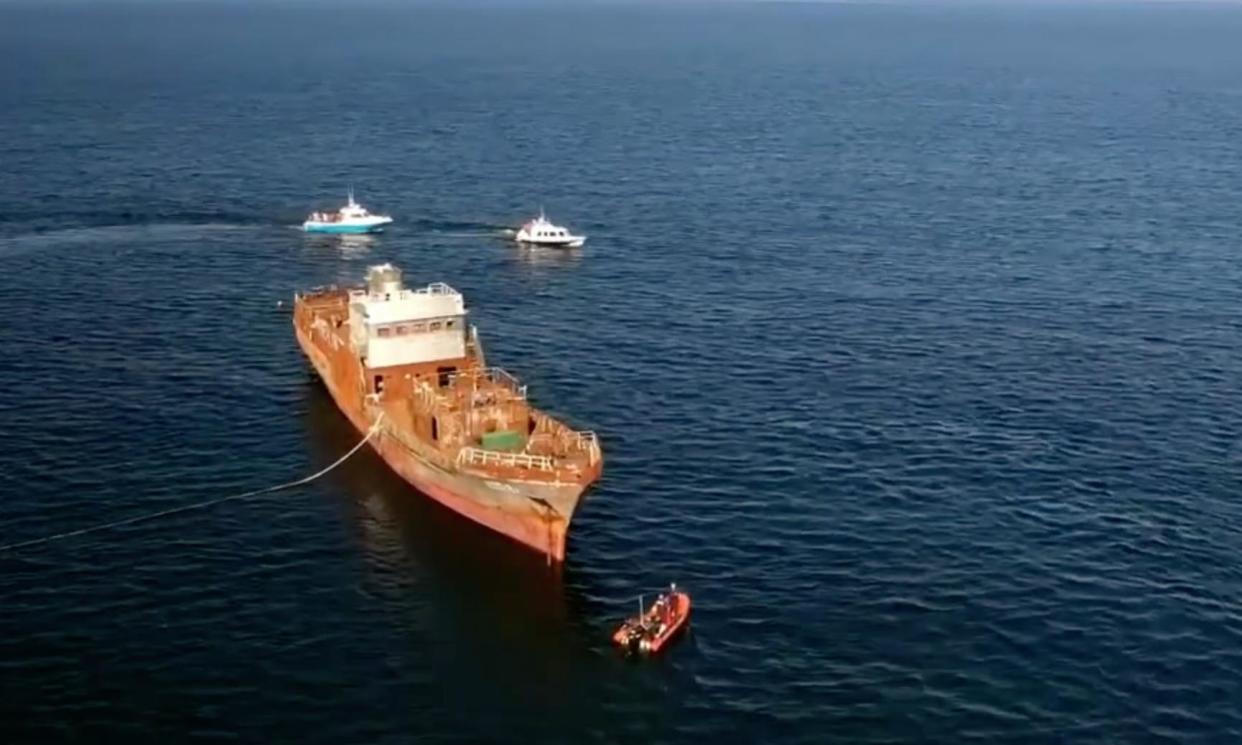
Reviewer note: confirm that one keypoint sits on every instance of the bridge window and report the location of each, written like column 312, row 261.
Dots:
column 434, row 326
column 383, row 331
column 379, row 384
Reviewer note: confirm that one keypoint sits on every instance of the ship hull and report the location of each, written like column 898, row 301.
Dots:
column 535, row 514
column 572, row 241
column 352, row 229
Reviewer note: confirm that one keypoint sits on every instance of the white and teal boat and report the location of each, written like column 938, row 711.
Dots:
column 352, row 218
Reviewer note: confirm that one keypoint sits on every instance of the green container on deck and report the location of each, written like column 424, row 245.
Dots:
column 504, row 440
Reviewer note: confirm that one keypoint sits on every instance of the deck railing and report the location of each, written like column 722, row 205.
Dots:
column 495, row 375
column 588, row 441
column 435, row 288
column 477, row 457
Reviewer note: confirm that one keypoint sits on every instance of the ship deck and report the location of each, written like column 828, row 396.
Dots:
column 461, row 415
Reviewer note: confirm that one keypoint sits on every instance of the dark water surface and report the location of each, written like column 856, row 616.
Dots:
column 911, row 335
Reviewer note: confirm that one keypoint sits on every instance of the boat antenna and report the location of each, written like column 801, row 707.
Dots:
column 640, row 606
column 351, row 195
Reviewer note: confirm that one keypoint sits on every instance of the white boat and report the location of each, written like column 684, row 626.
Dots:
column 352, row 218
column 540, row 232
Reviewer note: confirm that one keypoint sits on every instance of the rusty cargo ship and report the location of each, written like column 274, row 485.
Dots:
column 459, row 431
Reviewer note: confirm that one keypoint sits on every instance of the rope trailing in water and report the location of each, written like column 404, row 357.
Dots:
column 375, row 429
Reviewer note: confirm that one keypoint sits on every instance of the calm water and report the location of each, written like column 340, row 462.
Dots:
column 912, row 337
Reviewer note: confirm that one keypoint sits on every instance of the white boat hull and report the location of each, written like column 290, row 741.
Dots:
column 568, row 241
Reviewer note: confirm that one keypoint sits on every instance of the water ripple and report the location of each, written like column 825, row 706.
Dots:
column 916, row 362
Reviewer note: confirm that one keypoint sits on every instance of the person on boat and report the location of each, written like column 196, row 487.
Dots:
column 649, row 618
column 660, row 616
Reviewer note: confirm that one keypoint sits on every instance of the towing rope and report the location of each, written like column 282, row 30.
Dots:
column 375, row 429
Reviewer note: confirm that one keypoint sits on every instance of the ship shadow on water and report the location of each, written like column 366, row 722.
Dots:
column 506, row 604
column 488, row 617
column 433, row 536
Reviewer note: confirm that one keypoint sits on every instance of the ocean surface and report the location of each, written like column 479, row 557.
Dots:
column 911, row 334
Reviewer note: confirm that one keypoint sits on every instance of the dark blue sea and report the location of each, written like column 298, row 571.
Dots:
column 911, row 334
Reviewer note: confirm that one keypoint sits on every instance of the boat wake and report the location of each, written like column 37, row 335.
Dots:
column 39, row 239
column 460, row 229
column 83, row 219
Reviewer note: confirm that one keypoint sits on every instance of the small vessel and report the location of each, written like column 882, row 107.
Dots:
column 541, row 232
column 652, row 629
column 460, row 432
column 352, row 218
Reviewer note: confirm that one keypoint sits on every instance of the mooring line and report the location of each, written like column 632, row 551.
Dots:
column 197, row 505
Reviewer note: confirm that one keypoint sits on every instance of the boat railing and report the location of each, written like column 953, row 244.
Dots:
column 495, row 375
column 425, row 396
column 588, row 441
column 435, row 288
column 321, row 294
column 476, row 345
column 478, row 457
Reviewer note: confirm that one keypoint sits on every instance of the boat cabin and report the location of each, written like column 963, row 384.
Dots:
column 353, row 210
column 545, row 229
column 392, row 326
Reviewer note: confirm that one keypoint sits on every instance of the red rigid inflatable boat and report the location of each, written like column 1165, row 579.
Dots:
column 652, row 629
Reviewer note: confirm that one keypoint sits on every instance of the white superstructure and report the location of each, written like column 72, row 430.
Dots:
column 391, row 325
